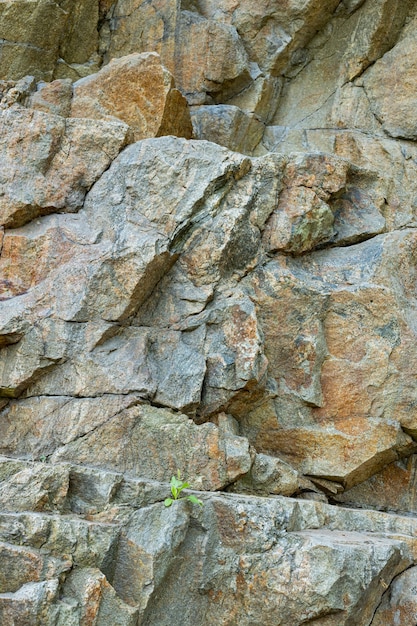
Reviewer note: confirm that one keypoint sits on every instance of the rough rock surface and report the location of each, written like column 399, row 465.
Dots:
column 138, row 90
column 208, row 266
column 108, row 551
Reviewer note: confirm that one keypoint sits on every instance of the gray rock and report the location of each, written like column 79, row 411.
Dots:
column 398, row 605
column 228, row 126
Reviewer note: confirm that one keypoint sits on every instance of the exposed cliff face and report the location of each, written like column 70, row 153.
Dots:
column 208, row 260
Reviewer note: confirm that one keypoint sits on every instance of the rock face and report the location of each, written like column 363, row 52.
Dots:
column 208, row 266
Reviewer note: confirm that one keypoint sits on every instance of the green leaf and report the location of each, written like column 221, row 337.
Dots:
column 176, row 483
column 194, row 500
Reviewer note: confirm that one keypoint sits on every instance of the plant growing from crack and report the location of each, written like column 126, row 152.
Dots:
column 177, row 485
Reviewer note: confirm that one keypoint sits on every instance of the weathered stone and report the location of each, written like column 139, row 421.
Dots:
column 301, row 222
column 16, row 91
column 37, row 33
column 155, row 443
column 234, row 369
column 36, row 488
column 247, row 321
column 160, row 551
column 228, row 126
column 325, row 200
column 340, row 368
column 90, row 490
column 147, row 549
column 398, row 604
column 391, row 489
column 268, row 475
column 232, row 583
column 80, row 41
column 97, row 602
column 390, row 86
column 220, row 66
column 260, row 98
column 137, row 90
column 59, row 421
column 68, row 243
column 23, row 362
column 123, row 33
column 30, row 32
column 271, row 33
column 204, row 56
column 75, row 71
column 54, row 98
column 382, row 177
column 333, row 61
column 49, row 164
column 31, row 605
column 86, row 543
column 21, row 565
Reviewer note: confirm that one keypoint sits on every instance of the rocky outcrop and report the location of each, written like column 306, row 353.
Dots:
column 100, row 548
column 207, row 266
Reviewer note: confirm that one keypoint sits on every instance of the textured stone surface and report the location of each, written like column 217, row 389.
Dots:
column 50, row 163
column 206, row 57
column 137, row 90
column 30, row 32
column 228, row 126
column 391, row 489
column 240, row 307
column 126, row 555
column 390, row 87
column 331, row 366
column 398, row 604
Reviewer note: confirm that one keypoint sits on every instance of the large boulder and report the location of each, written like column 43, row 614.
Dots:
column 137, row 90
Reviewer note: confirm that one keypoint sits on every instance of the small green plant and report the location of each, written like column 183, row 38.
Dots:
column 177, row 485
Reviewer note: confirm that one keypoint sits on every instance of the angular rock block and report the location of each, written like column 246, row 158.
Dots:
column 338, row 334
column 49, row 163
column 399, row 602
column 206, row 57
column 128, row 554
column 390, row 86
column 137, row 90
column 228, row 126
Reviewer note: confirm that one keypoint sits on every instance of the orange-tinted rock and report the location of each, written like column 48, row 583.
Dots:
column 25, row 261
column 137, row 90
column 399, row 605
column 204, row 56
column 339, row 341
column 97, row 599
column 54, row 97
column 391, row 489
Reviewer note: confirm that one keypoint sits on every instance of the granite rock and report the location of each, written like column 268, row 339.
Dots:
column 239, row 307
column 137, row 90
